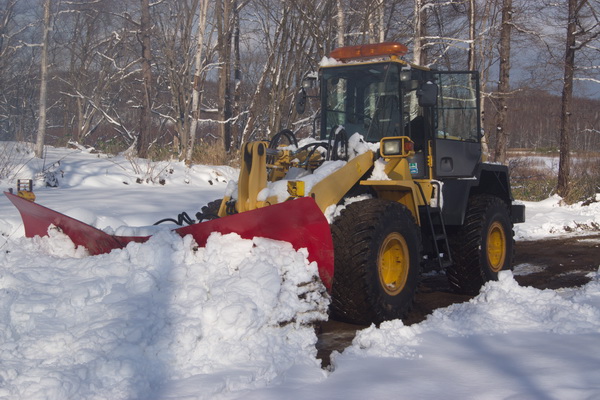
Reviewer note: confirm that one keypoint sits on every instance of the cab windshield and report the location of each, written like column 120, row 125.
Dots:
column 362, row 98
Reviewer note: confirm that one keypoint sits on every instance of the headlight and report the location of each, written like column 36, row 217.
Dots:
column 400, row 146
column 392, row 147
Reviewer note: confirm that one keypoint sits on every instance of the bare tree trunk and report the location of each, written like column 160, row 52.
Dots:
column 41, row 133
column 370, row 23
column 197, row 83
column 564, row 168
column 472, row 65
column 143, row 142
column 472, row 38
column 381, row 19
column 224, row 91
column 237, row 76
column 484, row 49
column 341, row 24
column 503, row 83
column 419, row 53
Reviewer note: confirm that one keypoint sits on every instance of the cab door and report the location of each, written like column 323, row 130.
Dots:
column 457, row 135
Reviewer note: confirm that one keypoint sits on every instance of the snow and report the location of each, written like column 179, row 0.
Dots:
column 329, row 62
column 167, row 320
column 550, row 216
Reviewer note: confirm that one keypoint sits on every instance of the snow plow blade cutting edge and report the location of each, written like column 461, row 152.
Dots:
column 299, row 222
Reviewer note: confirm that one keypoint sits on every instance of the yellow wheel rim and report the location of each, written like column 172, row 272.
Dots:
column 496, row 246
column 393, row 263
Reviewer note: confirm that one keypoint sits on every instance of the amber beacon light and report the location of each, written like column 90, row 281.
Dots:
column 369, row 51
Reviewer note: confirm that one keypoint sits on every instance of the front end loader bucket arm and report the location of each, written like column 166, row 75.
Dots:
column 299, row 222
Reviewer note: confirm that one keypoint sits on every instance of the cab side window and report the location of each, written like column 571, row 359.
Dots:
column 457, row 107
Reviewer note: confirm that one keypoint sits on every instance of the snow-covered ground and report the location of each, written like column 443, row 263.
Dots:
column 161, row 320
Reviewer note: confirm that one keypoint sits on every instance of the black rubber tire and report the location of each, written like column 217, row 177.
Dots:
column 360, row 232
column 483, row 246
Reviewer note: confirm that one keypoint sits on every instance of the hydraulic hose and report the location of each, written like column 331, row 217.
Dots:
column 339, row 138
column 181, row 219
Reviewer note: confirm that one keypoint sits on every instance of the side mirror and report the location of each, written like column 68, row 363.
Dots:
column 309, row 83
column 301, row 101
column 427, row 94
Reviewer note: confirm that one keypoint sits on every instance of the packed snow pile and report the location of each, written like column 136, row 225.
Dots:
column 233, row 315
column 502, row 307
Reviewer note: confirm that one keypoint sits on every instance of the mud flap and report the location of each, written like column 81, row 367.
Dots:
column 299, row 222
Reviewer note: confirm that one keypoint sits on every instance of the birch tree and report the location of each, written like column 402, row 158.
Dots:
column 197, row 82
column 341, row 24
column 503, row 82
column 472, row 15
column 41, row 132
column 143, row 141
column 420, row 32
column 224, row 16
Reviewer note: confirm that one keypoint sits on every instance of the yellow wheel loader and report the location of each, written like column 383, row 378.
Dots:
column 423, row 200
column 396, row 167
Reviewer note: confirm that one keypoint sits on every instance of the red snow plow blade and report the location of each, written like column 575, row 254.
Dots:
column 299, row 222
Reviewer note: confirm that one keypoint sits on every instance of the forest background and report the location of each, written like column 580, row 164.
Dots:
column 194, row 79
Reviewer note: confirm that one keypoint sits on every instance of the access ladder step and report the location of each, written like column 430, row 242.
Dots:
column 440, row 238
column 437, row 228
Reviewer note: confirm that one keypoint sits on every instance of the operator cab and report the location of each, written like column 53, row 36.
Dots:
column 388, row 97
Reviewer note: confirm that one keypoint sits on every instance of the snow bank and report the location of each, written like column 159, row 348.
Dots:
column 129, row 324
column 552, row 217
column 502, row 307
column 510, row 342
